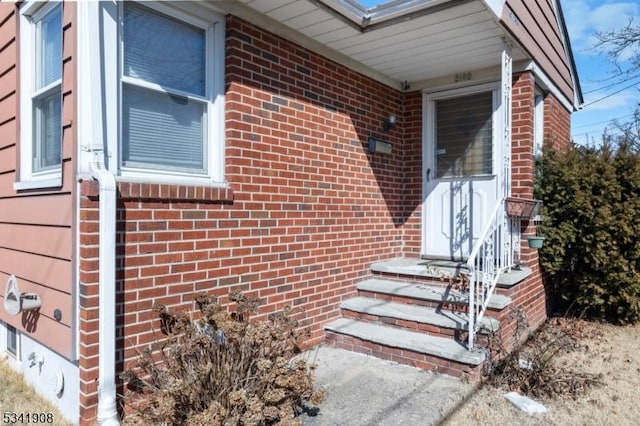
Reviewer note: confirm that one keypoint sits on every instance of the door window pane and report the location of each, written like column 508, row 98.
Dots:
column 464, row 130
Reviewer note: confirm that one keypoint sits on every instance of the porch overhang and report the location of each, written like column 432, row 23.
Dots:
column 405, row 44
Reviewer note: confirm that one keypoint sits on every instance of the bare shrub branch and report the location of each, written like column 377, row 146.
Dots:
column 222, row 369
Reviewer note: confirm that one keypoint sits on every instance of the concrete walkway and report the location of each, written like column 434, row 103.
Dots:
column 362, row 390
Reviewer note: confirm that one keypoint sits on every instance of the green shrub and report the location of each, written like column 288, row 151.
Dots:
column 222, row 369
column 591, row 199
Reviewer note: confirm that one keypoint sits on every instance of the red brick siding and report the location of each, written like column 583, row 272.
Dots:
column 522, row 165
column 307, row 212
column 557, row 124
column 531, row 295
column 308, row 209
column 413, row 174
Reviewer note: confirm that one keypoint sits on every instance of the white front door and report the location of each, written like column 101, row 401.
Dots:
column 460, row 169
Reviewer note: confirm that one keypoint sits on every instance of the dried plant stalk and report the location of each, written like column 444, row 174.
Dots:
column 222, row 369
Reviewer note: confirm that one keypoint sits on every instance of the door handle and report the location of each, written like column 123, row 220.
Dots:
column 428, row 174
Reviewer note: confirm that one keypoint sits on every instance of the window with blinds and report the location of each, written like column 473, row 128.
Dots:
column 464, row 135
column 164, row 92
column 47, row 96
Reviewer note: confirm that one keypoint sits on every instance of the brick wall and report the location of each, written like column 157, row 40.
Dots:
column 308, row 208
column 557, row 124
column 413, row 174
column 522, row 165
column 531, row 295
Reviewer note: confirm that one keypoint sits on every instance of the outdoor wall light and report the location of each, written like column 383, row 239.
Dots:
column 377, row 145
column 389, row 123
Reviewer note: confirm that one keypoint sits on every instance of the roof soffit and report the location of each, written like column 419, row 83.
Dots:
column 404, row 40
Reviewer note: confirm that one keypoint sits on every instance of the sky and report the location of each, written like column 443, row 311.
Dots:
column 605, row 98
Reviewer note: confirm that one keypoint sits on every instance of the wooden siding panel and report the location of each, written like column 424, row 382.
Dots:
column 51, row 272
column 53, row 210
column 8, row 57
column 52, row 299
column 9, row 26
column 537, row 25
column 8, row 134
column 49, row 332
column 550, row 15
column 8, row 107
column 532, row 31
column 68, row 137
column 8, row 82
column 7, row 180
column 38, row 239
column 6, row 183
column 37, row 226
column 7, row 161
column 6, row 10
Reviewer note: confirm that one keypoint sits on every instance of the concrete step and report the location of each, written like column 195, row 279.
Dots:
column 440, row 270
column 409, row 315
column 425, row 292
column 405, row 340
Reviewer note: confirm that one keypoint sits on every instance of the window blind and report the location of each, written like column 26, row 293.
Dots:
column 464, row 131
column 49, row 61
column 48, row 122
column 164, row 51
column 162, row 129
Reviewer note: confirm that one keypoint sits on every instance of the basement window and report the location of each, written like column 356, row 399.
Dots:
column 12, row 340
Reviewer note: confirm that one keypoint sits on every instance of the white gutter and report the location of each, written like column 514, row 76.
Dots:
column 91, row 156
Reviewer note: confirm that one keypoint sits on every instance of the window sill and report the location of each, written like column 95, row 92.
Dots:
column 26, row 185
column 144, row 191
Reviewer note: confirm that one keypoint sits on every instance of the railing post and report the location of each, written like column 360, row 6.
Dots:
column 492, row 253
column 472, row 307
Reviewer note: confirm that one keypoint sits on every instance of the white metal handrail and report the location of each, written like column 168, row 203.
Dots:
column 492, row 254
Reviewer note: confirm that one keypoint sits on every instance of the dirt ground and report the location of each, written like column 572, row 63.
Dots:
column 18, row 397
column 611, row 350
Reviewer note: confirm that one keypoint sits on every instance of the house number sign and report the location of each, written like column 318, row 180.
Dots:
column 462, row 76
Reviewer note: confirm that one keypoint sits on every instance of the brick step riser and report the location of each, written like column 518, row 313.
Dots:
column 444, row 306
column 403, row 356
column 413, row 278
column 460, row 336
column 444, row 283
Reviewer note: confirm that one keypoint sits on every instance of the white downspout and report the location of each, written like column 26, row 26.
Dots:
column 107, row 411
column 93, row 141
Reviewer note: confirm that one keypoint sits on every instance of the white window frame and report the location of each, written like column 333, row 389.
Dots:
column 28, row 178
column 5, row 339
column 110, row 20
